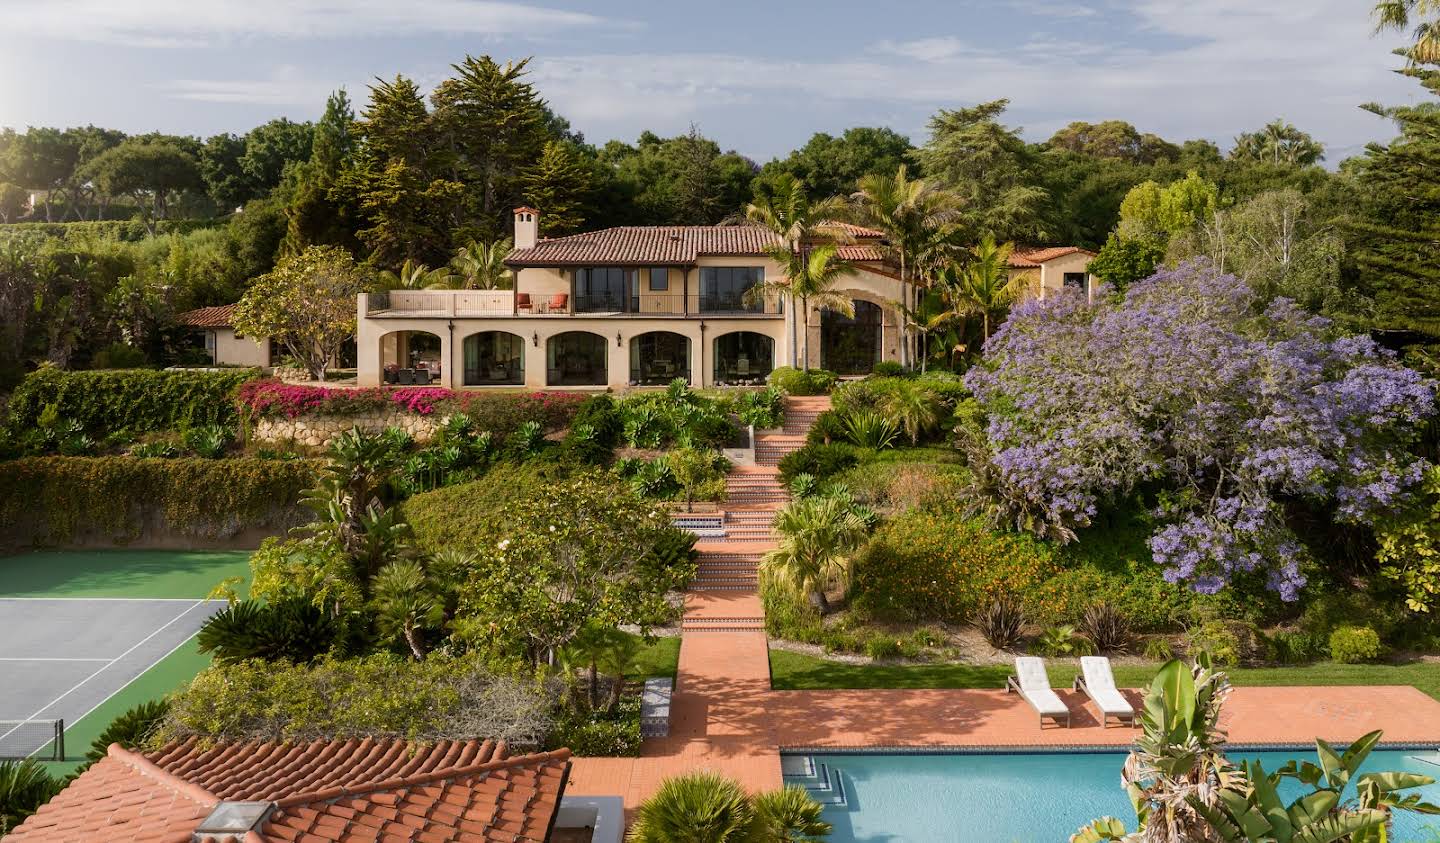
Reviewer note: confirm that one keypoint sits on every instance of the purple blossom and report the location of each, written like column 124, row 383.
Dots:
column 1193, row 383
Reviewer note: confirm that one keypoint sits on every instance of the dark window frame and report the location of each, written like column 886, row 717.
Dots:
column 664, row 275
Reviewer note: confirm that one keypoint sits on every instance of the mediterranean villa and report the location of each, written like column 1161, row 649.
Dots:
column 635, row 306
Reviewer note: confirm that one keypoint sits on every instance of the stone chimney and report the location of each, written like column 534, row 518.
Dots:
column 527, row 227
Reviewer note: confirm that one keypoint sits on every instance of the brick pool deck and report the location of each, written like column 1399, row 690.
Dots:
column 725, row 717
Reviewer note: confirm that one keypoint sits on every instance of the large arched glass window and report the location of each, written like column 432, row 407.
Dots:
column 659, row 357
column 494, row 358
column 851, row 346
column 408, row 358
column 743, row 358
column 575, row 358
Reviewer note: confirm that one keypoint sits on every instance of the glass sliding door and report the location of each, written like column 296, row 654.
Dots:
column 723, row 288
column 576, row 358
column 603, row 289
column 494, row 358
column 743, row 358
column 659, row 357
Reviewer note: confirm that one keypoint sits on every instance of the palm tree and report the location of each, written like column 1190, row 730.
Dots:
column 415, row 276
column 810, row 277
column 789, row 815
column 981, row 286
column 695, row 808
column 911, row 212
column 788, row 211
column 405, row 603
column 817, row 536
column 600, row 648
column 481, row 266
column 1399, row 14
column 915, row 407
column 1278, row 143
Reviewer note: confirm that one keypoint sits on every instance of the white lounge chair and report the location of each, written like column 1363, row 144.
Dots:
column 1097, row 681
column 1031, row 683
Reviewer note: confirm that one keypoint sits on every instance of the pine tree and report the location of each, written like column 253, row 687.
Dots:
column 559, row 184
column 1397, row 243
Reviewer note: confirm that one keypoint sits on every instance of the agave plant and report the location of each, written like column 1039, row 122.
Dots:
column 869, row 429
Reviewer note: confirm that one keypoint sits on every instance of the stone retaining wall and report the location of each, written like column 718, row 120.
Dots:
column 317, row 431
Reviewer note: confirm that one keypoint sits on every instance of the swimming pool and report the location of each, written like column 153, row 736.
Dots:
column 1040, row 797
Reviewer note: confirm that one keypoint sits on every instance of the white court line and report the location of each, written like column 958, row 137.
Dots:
column 109, row 599
column 38, row 659
column 105, row 667
column 132, row 680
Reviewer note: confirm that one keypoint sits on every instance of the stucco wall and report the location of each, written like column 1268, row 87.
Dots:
column 536, row 331
column 240, row 351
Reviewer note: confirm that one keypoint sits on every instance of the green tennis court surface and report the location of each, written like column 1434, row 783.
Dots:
column 76, row 607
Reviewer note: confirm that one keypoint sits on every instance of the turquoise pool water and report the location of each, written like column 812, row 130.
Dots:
column 1029, row 798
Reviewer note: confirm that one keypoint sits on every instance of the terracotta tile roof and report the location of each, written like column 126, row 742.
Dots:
column 1033, row 257
column 860, row 252
column 668, row 245
column 322, row 792
column 221, row 316
column 859, row 231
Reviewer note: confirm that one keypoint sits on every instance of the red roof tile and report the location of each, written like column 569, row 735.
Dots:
column 221, row 316
column 1032, row 257
column 323, row 791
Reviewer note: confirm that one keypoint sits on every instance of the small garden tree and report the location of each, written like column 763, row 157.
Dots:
column 307, row 303
column 580, row 553
column 700, row 473
column 817, row 537
column 1230, row 408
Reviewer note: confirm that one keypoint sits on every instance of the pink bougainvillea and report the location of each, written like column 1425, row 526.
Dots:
column 270, row 398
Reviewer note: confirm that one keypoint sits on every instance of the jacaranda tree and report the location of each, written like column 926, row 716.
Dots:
column 1223, row 407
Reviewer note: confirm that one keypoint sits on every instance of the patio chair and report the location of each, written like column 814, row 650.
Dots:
column 522, row 302
column 559, row 303
column 405, row 377
column 422, row 377
column 1097, row 681
column 1031, row 683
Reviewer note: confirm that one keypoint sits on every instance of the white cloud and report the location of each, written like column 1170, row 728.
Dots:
column 193, row 23
column 924, row 49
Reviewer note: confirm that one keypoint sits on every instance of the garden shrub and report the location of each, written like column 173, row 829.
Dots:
column 828, row 427
column 468, row 515
column 900, row 486
column 797, row 382
column 1158, row 649
column 889, row 369
column 928, row 566
column 128, row 401
column 58, row 500
column 130, row 729
column 881, row 646
column 819, row 461
column 438, row 698
column 118, row 355
column 294, row 630
column 602, row 416
column 1228, row 643
column 1295, row 647
column 1354, row 644
column 1061, row 642
column 597, row 734
column 677, row 416
column 763, row 408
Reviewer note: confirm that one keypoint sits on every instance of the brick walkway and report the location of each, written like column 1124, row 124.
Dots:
column 725, row 717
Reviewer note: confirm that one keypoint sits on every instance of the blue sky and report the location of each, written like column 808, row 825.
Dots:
column 760, row 77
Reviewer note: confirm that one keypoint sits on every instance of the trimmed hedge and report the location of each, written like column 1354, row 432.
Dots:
column 128, row 401
column 57, row 500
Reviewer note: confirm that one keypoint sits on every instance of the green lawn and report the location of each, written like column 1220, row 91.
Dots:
column 794, row 671
column 119, row 573
column 657, row 659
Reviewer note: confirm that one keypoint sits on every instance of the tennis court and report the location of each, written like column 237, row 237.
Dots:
column 84, row 633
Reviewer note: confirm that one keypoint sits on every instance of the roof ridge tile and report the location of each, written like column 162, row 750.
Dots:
column 145, row 766
column 401, row 782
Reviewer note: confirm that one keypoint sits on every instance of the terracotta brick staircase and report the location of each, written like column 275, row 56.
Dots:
column 730, row 562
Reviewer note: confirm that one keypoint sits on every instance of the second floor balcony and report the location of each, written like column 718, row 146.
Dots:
column 420, row 304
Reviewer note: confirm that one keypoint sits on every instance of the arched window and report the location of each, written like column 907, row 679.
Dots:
column 408, row 358
column 743, row 358
column 494, row 358
column 576, row 358
column 658, row 358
